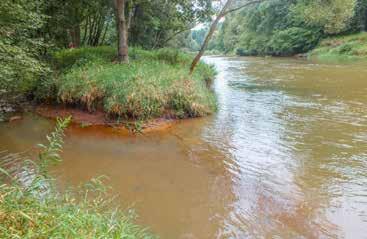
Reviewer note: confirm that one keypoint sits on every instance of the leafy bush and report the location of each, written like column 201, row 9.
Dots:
column 253, row 44
column 20, row 64
column 293, row 40
column 281, row 43
column 349, row 46
column 34, row 208
column 67, row 58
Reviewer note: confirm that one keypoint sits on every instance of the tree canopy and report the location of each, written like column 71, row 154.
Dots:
column 32, row 29
column 286, row 27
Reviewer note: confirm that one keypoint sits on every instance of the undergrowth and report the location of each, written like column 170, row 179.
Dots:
column 154, row 84
column 31, row 207
column 348, row 47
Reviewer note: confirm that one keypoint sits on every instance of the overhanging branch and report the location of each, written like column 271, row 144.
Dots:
column 242, row 6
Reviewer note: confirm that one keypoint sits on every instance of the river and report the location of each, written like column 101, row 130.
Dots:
column 285, row 156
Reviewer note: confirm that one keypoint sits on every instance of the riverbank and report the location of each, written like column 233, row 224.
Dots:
column 344, row 47
column 353, row 47
column 97, row 119
column 155, row 84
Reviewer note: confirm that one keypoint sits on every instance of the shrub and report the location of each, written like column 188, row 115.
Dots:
column 67, row 58
column 254, row 44
column 20, row 66
column 348, row 47
column 292, row 41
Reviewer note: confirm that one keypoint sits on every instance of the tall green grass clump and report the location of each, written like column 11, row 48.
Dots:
column 342, row 47
column 31, row 207
column 154, row 84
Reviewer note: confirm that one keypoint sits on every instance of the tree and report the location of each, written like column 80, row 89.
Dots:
column 20, row 45
column 333, row 17
column 152, row 24
column 155, row 23
column 227, row 8
column 122, row 32
column 97, row 22
column 80, row 22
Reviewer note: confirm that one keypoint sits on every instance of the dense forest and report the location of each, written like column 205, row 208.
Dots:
column 284, row 27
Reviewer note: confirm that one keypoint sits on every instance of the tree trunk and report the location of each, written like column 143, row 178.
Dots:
column 86, row 25
column 104, row 34
column 225, row 10
column 122, row 53
column 75, row 35
column 209, row 36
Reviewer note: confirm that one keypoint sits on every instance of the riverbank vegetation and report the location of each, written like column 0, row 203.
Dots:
column 345, row 47
column 53, row 52
column 287, row 27
column 155, row 83
column 32, row 207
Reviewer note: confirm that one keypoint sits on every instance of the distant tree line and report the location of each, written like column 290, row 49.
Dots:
column 284, row 27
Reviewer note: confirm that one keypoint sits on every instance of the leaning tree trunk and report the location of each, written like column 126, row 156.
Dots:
column 122, row 53
column 225, row 10
column 209, row 36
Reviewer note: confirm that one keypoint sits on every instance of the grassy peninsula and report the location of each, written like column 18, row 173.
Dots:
column 154, row 84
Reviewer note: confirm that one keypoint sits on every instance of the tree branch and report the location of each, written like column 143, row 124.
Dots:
column 175, row 34
column 242, row 6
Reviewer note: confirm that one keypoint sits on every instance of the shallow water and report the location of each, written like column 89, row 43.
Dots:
column 284, row 157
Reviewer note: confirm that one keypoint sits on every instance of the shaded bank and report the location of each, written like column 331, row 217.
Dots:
column 98, row 119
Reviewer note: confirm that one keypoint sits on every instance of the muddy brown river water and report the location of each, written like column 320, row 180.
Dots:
column 285, row 156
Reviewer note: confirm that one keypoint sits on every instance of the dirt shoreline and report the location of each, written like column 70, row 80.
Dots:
column 97, row 119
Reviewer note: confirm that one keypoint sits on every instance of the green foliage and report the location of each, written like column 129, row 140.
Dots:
column 154, row 84
column 24, row 215
column 350, row 46
column 50, row 152
column 67, row 58
column 292, row 40
column 20, row 46
column 287, row 27
column 333, row 17
column 156, row 22
column 81, row 22
column 85, row 212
